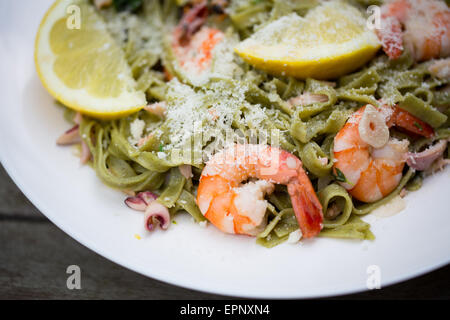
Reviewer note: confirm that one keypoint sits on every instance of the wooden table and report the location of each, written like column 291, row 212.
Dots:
column 34, row 256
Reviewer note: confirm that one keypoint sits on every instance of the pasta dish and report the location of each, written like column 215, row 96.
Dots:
column 277, row 119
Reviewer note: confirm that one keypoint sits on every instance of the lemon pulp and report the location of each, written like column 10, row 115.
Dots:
column 331, row 40
column 81, row 65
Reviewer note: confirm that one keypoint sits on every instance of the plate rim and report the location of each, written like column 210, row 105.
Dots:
column 11, row 171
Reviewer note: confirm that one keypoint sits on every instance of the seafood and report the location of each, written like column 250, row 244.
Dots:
column 186, row 171
column 426, row 25
column 440, row 68
column 193, row 42
column 234, row 207
column 307, row 99
column 141, row 201
column 197, row 55
column 368, row 162
column 423, row 160
column 72, row 136
column 158, row 109
column 155, row 214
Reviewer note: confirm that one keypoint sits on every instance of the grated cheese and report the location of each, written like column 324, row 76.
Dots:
column 294, row 236
column 208, row 112
column 136, row 130
column 161, row 155
column 145, row 33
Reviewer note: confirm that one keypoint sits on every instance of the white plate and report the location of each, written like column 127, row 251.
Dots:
column 408, row 244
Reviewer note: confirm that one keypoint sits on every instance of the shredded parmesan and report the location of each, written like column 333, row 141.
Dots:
column 294, row 236
column 136, row 130
column 208, row 113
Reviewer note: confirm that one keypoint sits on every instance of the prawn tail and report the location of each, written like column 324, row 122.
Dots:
column 307, row 207
column 404, row 119
column 391, row 37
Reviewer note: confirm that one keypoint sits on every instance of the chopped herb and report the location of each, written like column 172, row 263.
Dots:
column 417, row 125
column 127, row 5
column 174, row 222
column 161, row 148
column 340, row 177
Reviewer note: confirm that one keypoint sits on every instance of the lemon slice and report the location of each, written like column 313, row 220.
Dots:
column 331, row 40
column 80, row 64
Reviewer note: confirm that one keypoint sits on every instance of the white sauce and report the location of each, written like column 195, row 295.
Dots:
column 391, row 208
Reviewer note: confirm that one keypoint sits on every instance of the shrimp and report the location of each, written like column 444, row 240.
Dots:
column 192, row 20
column 192, row 42
column 440, row 69
column 239, row 208
column 426, row 25
column 368, row 162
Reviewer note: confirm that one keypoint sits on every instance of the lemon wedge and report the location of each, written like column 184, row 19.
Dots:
column 331, row 40
column 81, row 65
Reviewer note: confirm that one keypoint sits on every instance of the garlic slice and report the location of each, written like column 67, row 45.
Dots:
column 372, row 127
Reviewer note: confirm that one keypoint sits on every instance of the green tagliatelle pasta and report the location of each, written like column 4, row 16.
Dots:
column 315, row 159
column 337, row 196
column 142, row 151
column 173, row 190
column 119, row 174
column 355, row 228
column 329, row 121
column 422, row 110
column 278, row 230
column 317, row 87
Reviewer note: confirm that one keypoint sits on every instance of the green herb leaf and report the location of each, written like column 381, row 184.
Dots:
column 417, row 125
column 340, row 177
column 127, row 5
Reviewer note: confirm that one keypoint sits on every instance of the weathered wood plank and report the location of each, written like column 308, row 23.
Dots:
column 35, row 256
